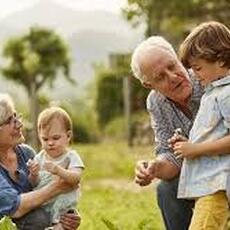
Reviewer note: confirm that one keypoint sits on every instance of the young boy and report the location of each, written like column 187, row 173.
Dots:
column 55, row 133
column 204, row 177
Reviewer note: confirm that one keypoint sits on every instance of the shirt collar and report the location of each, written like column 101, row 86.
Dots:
column 220, row 82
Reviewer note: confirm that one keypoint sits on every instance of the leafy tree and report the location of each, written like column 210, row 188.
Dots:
column 33, row 60
column 174, row 18
column 109, row 101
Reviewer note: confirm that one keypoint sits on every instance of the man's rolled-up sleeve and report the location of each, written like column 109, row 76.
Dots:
column 9, row 198
column 163, row 130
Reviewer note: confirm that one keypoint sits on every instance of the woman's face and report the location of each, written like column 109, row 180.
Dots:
column 11, row 129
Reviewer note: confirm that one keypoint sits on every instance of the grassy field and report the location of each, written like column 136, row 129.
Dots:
column 110, row 199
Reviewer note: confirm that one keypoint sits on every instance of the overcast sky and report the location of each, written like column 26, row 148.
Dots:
column 9, row 6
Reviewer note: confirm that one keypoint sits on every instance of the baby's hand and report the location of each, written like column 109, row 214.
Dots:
column 33, row 167
column 51, row 167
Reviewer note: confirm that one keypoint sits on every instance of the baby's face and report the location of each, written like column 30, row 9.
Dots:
column 54, row 138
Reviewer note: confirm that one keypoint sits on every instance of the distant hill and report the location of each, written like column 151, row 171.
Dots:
column 91, row 35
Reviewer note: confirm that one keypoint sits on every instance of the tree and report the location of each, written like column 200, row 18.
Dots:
column 174, row 18
column 33, row 60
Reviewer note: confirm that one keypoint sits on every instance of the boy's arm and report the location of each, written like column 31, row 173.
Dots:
column 220, row 146
column 207, row 148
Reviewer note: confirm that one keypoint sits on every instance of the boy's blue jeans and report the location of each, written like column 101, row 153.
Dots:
column 177, row 213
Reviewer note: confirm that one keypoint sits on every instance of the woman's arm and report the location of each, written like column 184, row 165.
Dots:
column 34, row 199
column 71, row 176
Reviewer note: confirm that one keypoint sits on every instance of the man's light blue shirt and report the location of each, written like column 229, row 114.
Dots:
column 208, row 174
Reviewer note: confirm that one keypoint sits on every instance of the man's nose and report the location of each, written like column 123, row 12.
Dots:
column 172, row 76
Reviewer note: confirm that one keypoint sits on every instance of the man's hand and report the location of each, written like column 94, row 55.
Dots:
column 144, row 173
column 70, row 221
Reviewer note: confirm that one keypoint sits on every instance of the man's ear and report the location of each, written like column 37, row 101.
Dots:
column 147, row 85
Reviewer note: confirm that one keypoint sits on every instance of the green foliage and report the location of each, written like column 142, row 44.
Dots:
column 85, row 128
column 174, row 18
column 115, row 129
column 7, row 224
column 104, row 208
column 35, row 57
column 110, row 199
column 109, row 224
column 109, row 101
column 33, row 60
column 138, row 95
column 101, row 160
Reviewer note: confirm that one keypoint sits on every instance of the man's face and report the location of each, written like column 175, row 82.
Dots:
column 165, row 74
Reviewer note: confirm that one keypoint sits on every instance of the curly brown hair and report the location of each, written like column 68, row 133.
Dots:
column 209, row 41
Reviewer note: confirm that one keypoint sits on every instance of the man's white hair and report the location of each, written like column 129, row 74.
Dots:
column 6, row 106
column 150, row 44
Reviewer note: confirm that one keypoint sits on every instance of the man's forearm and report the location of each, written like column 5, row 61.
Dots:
column 165, row 169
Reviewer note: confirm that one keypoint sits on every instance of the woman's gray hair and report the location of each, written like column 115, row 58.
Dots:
column 6, row 106
column 152, row 43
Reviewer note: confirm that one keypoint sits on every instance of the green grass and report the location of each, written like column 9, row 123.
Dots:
column 111, row 160
column 110, row 199
column 107, row 208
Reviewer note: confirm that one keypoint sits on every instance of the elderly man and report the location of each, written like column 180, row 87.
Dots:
column 172, row 103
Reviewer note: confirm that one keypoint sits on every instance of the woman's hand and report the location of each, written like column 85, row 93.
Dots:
column 70, row 221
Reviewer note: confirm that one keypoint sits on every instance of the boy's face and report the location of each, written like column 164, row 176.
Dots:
column 54, row 138
column 206, row 72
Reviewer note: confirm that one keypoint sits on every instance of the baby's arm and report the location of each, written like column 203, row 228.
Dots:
column 71, row 176
column 34, row 168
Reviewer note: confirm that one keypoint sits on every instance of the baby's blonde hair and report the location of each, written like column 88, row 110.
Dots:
column 47, row 115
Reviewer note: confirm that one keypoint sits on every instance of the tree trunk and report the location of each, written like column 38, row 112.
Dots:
column 127, row 108
column 33, row 101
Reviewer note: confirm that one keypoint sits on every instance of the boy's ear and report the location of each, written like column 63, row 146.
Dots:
column 221, row 63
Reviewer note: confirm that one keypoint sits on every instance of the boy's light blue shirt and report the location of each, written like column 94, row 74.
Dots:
column 208, row 174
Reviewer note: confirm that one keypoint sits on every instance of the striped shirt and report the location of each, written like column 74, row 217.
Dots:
column 166, row 117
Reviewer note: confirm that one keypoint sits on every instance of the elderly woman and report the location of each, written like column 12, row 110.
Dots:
column 17, row 199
